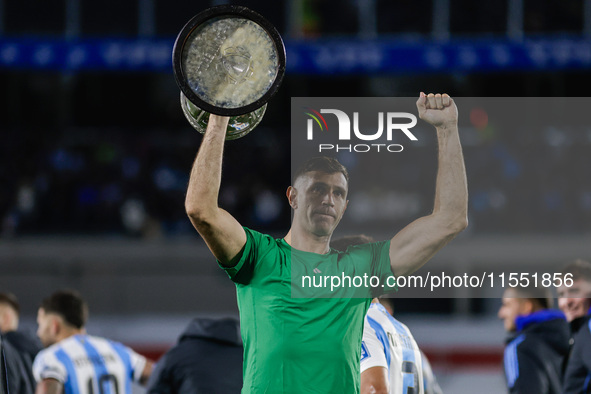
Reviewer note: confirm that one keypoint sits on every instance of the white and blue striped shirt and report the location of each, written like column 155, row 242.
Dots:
column 86, row 364
column 388, row 343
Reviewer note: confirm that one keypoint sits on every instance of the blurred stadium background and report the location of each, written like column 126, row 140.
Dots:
column 96, row 154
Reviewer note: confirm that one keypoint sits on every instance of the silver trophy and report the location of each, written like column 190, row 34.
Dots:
column 228, row 60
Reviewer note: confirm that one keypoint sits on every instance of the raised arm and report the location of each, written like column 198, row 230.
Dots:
column 415, row 244
column 222, row 233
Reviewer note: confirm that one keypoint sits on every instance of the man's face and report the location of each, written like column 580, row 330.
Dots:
column 47, row 329
column 320, row 202
column 575, row 301
column 8, row 318
column 512, row 307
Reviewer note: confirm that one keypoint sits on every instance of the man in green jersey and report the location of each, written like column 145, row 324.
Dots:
column 312, row 345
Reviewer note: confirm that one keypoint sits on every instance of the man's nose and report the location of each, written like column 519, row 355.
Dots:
column 328, row 199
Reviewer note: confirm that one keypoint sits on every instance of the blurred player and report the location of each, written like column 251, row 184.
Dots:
column 429, row 380
column 575, row 302
column 538, row 341
column 299, row 345
column 391, row 361
column 206, row 359
column 75, row 362
column 19, row 346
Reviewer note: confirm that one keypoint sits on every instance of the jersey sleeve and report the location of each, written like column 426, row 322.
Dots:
column 372, row 350
column 373, row 260
column 381, row 265
column 133, row 362
column 48, row 366
column 138, row 363
column 429, row 380
column 244, row 268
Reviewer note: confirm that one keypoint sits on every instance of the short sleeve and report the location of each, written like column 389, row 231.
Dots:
column 381, row 266
column 372, row 351
column 429, row 380
column 134, row 362
column 242, row 271
column 47, row 366
column 373, row 260
column 138, row 363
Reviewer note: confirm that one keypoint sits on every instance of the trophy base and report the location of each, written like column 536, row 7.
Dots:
column 238, row 126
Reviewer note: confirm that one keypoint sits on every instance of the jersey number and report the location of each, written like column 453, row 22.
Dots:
column 410, row 382
column 410, row 368
column 104, row 380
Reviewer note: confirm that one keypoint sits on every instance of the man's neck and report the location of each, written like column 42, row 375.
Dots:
column 306, row 242
column 69, row 332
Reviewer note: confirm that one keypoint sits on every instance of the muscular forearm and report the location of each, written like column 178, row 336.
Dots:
column 415, row 244
column 222, row 233
column 204, row 182
column 451, row 192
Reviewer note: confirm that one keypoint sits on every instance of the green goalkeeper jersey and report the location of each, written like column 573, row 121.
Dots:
column 300, row 338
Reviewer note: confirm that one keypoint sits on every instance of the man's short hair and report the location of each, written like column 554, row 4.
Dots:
column 579, row 269
column 69, row 305
column 341, row 244
column 11, row 300
column 540, row 295
column 324, row 164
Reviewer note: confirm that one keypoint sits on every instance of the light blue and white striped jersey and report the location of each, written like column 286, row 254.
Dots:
column 388, row 343
column 429, row 381
column 90, row 365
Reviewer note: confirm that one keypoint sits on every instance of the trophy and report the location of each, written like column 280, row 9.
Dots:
column 228, row 60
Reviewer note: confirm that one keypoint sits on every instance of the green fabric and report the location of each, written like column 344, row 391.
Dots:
column 300, row 345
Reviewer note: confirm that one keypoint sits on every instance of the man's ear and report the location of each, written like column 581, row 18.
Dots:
column 291, row 197
column 527, row 307
column 55, row 325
